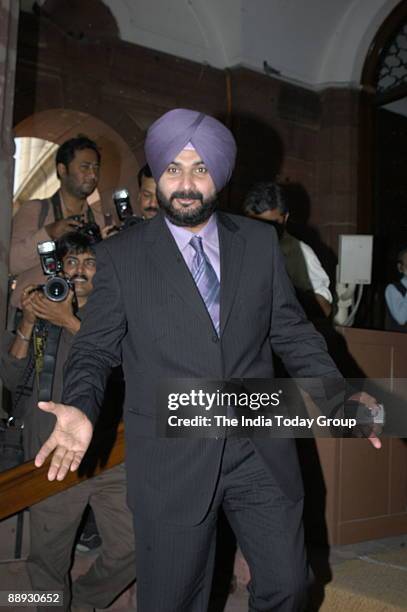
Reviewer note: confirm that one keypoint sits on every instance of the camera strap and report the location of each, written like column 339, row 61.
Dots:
column 24, row 390
column 43, row 213
column 55, row 201
column 56, row 206
column 90, row 215
column 46, row 347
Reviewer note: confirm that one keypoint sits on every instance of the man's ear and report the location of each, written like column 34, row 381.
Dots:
column 400, row 268
column 61, row 169
column 286, row 217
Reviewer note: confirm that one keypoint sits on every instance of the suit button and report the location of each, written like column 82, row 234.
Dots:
column 215, row 339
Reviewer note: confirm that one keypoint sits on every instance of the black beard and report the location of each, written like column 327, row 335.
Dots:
column 77, row 190
column 188, row 218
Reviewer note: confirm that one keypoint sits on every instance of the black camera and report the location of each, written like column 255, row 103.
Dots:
column 56, row 287
column 90, row 230
column 121, row 199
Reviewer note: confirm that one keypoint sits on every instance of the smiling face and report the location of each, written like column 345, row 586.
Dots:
column 186, row 190
column 80, row 177
column 80, row 268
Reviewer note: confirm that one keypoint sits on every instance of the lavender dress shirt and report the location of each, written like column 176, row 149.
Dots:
column 210, row 241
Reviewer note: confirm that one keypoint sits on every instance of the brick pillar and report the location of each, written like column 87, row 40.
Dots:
column 9, row 11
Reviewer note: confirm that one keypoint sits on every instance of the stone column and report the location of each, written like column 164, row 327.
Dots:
column 9, row 12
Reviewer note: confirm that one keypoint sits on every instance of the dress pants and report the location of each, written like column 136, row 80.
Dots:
column 175, row 563
column 53, row 527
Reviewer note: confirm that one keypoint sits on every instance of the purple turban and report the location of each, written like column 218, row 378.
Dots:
column 169, row 135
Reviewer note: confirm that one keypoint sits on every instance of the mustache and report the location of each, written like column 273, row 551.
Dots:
column 186, row 195
column 79, row 277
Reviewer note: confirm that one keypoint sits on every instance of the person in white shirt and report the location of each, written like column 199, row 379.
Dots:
column 266, row 201
column 396, row 298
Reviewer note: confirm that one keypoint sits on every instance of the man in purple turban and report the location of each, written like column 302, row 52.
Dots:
column 187, row 129
column 194, row 294
column 191, row 135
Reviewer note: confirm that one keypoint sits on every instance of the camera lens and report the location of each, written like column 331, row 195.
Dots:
column 56, row 289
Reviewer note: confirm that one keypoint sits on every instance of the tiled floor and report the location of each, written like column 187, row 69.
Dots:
column 353, row 551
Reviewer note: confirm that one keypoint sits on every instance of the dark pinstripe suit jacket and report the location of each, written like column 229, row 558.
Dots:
column 146, row 312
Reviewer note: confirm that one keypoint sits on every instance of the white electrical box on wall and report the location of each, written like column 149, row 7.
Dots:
column 355, row 259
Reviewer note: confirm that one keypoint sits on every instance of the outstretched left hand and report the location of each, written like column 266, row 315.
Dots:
column 69, row 440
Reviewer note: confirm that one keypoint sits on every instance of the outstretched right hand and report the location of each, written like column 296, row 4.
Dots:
column 69, row 440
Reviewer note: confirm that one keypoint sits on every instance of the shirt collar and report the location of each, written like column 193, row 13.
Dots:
column 182, row 235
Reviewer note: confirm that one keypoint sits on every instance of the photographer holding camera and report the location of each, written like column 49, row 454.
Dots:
column 147, row 193
column 146, row 206
column 77, row 167
column 31, row 365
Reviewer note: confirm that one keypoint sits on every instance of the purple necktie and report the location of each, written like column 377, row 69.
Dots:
column 206, row 281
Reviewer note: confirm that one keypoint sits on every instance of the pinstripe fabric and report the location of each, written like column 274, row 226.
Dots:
column 268, row 528
column 145, row 311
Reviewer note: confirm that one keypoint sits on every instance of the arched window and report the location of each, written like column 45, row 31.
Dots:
column 382, row 201
column 391, row 70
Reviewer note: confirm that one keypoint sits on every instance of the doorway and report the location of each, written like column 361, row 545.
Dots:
column 383, row 168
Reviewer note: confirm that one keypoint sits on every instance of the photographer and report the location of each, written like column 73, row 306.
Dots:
column 124, row 211
column 55, row 521
column 147, row 205
column 147, row 193
column 77, row 167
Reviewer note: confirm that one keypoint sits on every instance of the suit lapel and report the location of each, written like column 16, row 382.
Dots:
column 169, row 261
column 231, row 246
